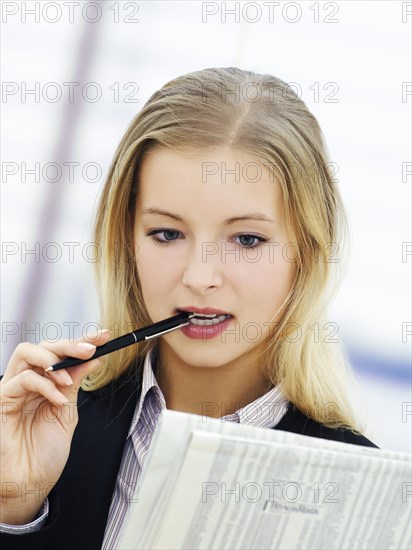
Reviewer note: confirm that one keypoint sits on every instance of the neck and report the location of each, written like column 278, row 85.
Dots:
column 209, row 391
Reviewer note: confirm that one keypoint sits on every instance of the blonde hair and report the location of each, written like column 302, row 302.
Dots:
column 261, row 115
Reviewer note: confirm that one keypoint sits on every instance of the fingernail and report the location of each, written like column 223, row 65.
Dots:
column 62, row 399
column 84, row 346
column 66, row 377
column 97, row 334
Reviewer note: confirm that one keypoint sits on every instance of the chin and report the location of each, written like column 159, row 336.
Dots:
column 201, row 357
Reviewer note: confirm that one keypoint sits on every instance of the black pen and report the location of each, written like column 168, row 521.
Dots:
column 151, row 331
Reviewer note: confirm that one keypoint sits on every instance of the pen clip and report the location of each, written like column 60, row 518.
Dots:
column 168, row 330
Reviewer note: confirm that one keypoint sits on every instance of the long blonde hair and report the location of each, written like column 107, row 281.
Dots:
column 261, row 115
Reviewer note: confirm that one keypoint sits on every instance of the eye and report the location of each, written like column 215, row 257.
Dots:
column 252, row 241
column 167, row 233
column 248, row 238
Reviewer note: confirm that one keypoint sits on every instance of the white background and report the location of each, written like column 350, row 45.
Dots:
column 362, row 48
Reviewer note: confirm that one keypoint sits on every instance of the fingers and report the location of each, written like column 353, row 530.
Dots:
column 97, row 338
column 81, row 349
column 22, row 384
column 29, row 381
column 78, row 373
column 67, row 348
column 62, row 377
column 29, row 356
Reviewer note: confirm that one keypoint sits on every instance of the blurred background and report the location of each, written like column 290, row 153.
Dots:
column 74, row 74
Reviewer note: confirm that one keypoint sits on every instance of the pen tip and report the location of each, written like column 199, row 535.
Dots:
column 49, row 369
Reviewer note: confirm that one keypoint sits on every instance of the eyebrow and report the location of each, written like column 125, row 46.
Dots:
column 256, row 216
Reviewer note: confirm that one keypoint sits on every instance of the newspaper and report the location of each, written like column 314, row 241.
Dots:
column 208, row 484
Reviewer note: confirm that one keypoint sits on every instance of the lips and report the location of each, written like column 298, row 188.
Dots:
column 205, row 323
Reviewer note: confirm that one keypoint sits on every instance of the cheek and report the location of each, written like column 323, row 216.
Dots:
column 268, row 260
column 155, row 268
column 264, row 274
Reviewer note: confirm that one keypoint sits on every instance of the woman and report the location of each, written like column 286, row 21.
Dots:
column 219, row 201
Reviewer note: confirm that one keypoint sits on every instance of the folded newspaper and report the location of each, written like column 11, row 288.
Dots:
column 211, row 484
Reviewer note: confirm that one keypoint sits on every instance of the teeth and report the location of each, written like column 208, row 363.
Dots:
column 209, row 321
column 206, row 316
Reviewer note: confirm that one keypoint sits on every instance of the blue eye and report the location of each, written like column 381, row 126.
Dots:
column 250, row 239
column 160, row 241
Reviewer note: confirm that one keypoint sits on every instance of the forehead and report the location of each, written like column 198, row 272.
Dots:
column 214, row 180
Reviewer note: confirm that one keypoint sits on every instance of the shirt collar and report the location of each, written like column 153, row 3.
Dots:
column 148, row 382
column 265, row 412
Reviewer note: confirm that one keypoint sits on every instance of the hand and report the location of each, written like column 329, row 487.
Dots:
column 38, row 419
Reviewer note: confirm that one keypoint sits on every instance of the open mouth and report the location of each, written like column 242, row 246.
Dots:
column 207, row 319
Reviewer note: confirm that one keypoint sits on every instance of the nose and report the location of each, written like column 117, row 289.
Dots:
column 202, row 272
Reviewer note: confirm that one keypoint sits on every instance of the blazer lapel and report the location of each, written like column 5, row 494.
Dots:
column 94, row 461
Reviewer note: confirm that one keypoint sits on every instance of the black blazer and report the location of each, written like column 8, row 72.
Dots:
column 80, row 500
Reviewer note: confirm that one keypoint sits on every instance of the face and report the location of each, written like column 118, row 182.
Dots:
column 197, row 248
